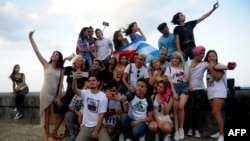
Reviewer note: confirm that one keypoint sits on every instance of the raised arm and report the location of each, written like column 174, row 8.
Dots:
column 216, row 5
column 38, row 54
column 142, row 34
column 74, row 84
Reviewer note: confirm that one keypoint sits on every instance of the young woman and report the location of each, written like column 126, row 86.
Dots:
column 50, row 92
column 216, row 91
column 85, row 45
column 155, row 74
column 118, row 40
column 20, row 88
column 162, row 103
column 132, row 30
column 118, row 71
column 178, row 75
column 183, row 32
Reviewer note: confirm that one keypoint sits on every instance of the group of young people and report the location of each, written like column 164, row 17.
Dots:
column 105, row 95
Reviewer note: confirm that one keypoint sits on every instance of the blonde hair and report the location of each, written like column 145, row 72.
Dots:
column 179, row 56
column 150, row 63
column 78, row 57
column 142, row 55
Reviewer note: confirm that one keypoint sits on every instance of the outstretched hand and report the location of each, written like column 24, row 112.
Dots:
column 31, row 33
column 216, row 5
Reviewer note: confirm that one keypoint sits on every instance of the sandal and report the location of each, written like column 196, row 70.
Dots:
column 54, row 135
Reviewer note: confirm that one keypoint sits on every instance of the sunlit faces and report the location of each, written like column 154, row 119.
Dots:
column 96, row 65
column 99, row 34
column 120, row 36
column 181, row 17
column 155, row 63
column 161, row 88
column 140, row 60
column 163, row 54
column 212, row 57
column 55, row 56
column 124, row 60
column 17, row 68
column 175, row 60
column 141, row 88
column 93, row 82
column 135, row 27
column 79, row 62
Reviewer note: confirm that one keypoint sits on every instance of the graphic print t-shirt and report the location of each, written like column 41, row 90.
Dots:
column 93, row 105
column 138, row 107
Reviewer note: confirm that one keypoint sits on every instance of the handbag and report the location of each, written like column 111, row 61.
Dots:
column 64, row 107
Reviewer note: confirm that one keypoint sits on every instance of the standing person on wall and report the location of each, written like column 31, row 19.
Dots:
column 183, row 32
column 50, row 91
column 20, row 88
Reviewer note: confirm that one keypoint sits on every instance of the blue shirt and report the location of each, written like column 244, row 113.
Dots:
column 168, row 43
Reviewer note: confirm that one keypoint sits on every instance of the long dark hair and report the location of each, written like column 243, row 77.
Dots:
column 129, row 29
column 211, row 51
column 81, row 34
column 60, row 61
column 117, row 43
column 12, row 75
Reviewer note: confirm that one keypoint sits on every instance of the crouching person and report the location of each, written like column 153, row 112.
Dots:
column 95, row 106
column 74, row 116
column 140, row 111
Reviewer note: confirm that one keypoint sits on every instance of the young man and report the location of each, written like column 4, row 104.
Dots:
column 95, row 106
column 167, row 40
column 104, row 46
column 183, row 32
column 140, row 110
column 133, row 72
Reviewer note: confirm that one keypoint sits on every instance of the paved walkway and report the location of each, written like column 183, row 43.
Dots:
column 34, row 132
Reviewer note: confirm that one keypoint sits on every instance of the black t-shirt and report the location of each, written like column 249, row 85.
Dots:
column 69, row 72
column 186, row 34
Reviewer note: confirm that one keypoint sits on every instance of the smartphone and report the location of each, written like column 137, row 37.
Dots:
column 72, row 55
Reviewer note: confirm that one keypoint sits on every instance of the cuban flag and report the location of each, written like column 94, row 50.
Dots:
column 138, row 46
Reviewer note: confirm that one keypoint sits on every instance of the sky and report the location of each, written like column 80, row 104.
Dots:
column 58, row 23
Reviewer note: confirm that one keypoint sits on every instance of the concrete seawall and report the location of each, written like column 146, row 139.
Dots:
column 31, row 106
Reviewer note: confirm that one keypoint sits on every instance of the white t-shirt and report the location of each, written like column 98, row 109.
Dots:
column 103, row 47
column 216, row 89
column 177, row 74
column 196, row 75
column 135, row 74
column 138, row 107
column 93, row 105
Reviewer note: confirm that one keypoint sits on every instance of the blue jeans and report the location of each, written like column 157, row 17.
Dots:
column 181, row 88
column 138, row 130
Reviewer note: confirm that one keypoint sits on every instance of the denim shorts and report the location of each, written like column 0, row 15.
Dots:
column 181, row 88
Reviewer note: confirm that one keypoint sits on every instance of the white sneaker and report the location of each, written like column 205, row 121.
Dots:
column 157, row 137
column 166, row 138
column 216, row 135
column 121, row 137
column 221, row 138
column 142, row 138
column 18, row 115
column 181, row 133
column 197, row 134
column 128, row 139
column 176, row 136
column 15, row 110
column 190, row 132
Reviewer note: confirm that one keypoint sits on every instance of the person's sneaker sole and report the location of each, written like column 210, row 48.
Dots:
column 19, row 116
